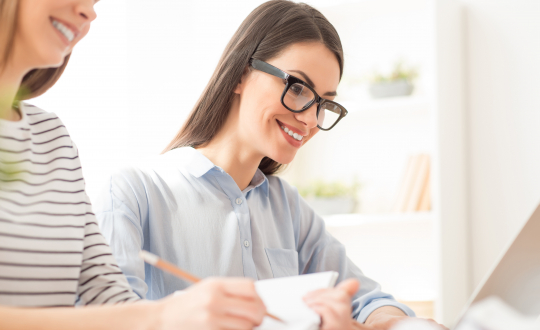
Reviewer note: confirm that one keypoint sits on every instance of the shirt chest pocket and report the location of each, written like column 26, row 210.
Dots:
column 284, row 262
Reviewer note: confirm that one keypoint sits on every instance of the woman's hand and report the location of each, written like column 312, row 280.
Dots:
column 334, row 305
column 213, row 304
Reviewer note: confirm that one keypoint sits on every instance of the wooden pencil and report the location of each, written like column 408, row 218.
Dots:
column 157, row 262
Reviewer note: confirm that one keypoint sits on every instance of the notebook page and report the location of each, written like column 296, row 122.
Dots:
column 283, row 298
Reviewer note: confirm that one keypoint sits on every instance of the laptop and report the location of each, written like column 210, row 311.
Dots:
column 515, row 278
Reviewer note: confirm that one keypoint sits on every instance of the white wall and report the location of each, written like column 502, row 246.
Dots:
column 503, row 105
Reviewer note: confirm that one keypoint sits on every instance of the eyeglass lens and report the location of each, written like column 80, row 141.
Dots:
column 298, row 96
column 328, row 115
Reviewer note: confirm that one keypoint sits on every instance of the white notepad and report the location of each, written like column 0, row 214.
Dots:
column 283, row 298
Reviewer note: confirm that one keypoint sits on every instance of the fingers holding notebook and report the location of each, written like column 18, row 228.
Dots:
column 241, row 299
column 334, row 304
column 214, row 304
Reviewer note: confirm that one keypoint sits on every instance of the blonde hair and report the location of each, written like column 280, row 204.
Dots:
column 35, row 82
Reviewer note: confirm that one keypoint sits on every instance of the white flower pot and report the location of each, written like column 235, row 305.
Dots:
column 391, row 88
column 331, row 205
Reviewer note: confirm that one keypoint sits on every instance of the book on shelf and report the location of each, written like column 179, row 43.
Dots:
column 414, row 192
column 425, row 201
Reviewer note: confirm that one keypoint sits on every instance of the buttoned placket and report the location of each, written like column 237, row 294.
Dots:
column 241, row 210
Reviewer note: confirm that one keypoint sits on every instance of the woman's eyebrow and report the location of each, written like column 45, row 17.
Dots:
column 310, row 82
column 305, row 76
column 330, row 94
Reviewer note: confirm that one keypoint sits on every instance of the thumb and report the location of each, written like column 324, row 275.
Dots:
column 350, row 286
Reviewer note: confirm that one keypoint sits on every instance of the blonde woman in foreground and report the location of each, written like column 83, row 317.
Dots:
column 51, row 251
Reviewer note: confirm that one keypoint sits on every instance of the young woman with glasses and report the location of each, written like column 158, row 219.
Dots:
column 211, row 203
column 52, row 255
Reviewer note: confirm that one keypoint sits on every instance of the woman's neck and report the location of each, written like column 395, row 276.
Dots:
column 227, row 151
column 10, row 81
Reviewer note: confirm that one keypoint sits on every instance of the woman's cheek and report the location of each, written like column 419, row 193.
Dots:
column 311, row 134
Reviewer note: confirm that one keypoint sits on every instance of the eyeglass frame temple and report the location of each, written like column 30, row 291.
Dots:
column 269, row 68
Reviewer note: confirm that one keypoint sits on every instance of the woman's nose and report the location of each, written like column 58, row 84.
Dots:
column 85, row 10
column 308, row 117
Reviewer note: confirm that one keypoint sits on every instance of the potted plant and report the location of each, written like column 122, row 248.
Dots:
column 327, row 198
column 397, row 83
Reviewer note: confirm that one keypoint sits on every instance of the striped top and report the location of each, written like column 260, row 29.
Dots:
column 51, row 250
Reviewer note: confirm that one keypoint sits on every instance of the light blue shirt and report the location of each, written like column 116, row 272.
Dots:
column 190, row 212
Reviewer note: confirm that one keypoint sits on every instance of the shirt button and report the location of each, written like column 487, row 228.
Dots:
column 246, row 243
column 239, row 201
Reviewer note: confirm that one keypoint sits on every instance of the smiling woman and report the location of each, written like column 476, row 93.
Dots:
column 211, row 204
column 262, row 41
column 37, row 81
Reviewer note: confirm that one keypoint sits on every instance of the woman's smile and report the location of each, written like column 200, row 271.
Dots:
column 65, row 30
column 293, row 135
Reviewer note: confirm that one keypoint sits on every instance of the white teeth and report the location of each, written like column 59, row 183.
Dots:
column 296, row 136
column 64, row 30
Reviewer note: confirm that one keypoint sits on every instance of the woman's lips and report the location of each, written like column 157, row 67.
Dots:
column 65, row 31
column 292, row 141
column 294, row 129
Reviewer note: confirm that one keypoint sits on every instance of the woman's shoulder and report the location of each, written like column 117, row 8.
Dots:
column 278, row 186
column 32, row 110
column 135, row 176
column 38, row 143
column 44, row 127
column 35, row 115
column 146, row 170
column 145, row 174
column 276, row 181
column 138, row 183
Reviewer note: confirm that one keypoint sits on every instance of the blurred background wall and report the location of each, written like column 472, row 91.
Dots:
column 503, row 117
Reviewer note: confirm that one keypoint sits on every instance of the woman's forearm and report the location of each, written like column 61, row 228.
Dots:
column 137, row 316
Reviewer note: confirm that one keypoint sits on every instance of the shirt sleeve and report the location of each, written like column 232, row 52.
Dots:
column 318, row 251
column 119, row 214
column 101, row 281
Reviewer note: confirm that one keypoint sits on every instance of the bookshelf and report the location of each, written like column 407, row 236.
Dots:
column 374, row 142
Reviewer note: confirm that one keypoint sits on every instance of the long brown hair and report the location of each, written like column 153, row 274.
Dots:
column 264, row 34
column 35, row 82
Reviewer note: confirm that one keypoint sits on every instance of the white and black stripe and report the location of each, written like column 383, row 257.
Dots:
column 51, row 251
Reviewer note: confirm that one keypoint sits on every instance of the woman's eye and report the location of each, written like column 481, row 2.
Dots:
column 297, row 90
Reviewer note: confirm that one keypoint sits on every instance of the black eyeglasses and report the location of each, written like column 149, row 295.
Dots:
column 298, row 96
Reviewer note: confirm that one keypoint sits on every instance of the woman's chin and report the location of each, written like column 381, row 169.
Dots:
column 55, row 61
column 49, row 58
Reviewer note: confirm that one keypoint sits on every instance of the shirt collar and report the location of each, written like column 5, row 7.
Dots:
column 192, row 160
column 198, row 165
column 259, row 180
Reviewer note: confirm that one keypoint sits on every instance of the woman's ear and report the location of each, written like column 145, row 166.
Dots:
column 241, row 84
